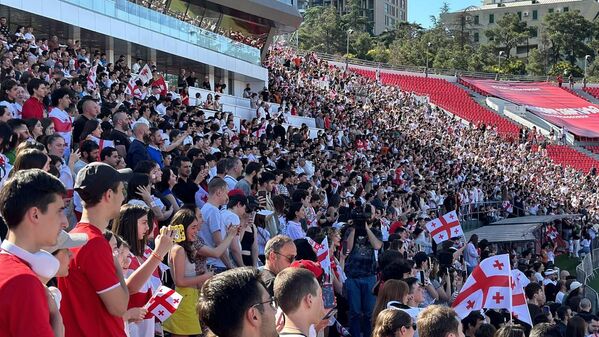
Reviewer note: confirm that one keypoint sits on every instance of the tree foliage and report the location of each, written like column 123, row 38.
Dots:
column 508, row 33
column 562, row 37
column 568, row 32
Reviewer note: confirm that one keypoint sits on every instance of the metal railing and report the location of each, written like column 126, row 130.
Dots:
column 585, row 272
column 172, row 27
column 435, row 71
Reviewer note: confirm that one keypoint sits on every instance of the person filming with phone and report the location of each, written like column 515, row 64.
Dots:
column 360, row 267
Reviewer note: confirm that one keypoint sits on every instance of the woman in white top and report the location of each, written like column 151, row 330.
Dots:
column 295, row 215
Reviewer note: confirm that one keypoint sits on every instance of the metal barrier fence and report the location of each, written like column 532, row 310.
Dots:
column 584, row 272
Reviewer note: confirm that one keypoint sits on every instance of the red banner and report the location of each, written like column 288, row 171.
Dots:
column 547, row 101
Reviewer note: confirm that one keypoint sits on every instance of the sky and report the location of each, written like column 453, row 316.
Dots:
column 420, row 11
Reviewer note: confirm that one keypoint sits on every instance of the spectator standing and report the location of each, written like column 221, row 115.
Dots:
column 89, row 110
column 471, row 253
column 95, row 283
column 234, row 170
column 34, row 106
column 299, row 295
column 213, row 232
column 63, row 122
column 32, row 208
column 280, row 252
column 138, row 149
column 360, row 268
column 118, row 134
column 439, row 321
column 8, row 96
column 235, row 303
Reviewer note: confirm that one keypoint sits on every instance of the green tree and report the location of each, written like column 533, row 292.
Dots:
column 568, row 32
column 380, row 53
column 321, row 30
column 508, row 33
column 360, row 44
column 536, row 63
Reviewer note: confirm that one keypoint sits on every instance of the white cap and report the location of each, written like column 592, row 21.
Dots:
column 575, row 285
column 66, row 240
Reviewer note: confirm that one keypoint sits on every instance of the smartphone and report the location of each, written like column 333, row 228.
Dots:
column 330, row 314
column 546, row 310
column 422, row 280
column 328, row 295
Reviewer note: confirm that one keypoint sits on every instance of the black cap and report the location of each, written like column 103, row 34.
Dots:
column 98, row 177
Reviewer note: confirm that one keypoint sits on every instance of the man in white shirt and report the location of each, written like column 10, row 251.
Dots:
column 234, row 169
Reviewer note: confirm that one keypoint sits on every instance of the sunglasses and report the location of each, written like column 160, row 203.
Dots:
column 290, row 259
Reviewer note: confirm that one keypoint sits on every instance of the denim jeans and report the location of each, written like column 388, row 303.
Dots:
column 361, row 303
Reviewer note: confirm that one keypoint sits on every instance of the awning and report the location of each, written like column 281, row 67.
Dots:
column 505, row 233
column 534, row 219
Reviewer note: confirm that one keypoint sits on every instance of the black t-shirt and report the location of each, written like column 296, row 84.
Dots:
column 78, row 125
column 119, row 138
column 268, row 278
column 185, row 191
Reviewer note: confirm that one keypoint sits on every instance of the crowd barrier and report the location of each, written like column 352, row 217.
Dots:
column 585, row 272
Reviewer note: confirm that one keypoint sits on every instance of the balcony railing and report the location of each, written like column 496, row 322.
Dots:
column 140, row 16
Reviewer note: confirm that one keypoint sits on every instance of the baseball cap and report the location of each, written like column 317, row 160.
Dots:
column 575, row 285
column 66, row 240
column 550, row 272
column 98, row 177
column 310, row 265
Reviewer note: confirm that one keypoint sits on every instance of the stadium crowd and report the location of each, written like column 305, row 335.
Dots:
column 114, row 169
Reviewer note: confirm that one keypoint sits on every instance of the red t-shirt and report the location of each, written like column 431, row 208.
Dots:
column 91, row 273
column 33, row 108
column 23, row 300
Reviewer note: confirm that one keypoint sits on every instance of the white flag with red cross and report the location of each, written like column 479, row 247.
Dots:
column 322, row 254
column 445, row 227
column 145, row 74
column 91, row 77
column 163, row 303
column 487, row 287
column 519, row 306
column 132, row 88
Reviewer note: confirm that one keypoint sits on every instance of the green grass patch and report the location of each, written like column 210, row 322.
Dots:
column 564, row 262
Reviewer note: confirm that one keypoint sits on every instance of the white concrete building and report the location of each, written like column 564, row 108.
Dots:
column 474, row 20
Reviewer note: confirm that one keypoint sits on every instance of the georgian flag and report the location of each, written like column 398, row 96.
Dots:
column 445, row 227
column 519, row 305
column 489, row 286
column 163, row 303
column 132, row 88
column 322, row 254
column 91, row 77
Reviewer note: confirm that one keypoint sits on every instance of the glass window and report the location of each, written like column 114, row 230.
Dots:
column 491, row 18
column 476, row 37
column 210, row 20
column 534, row 31
column 178, row 9
column 535, row 15
column 520, row 15
column 550, row 10
column 566, row 9
column 476, row 19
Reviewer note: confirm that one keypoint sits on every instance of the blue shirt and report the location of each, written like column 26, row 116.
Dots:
column 156, row 155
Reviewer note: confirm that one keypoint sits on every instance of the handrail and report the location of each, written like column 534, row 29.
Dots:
column 433, row 71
